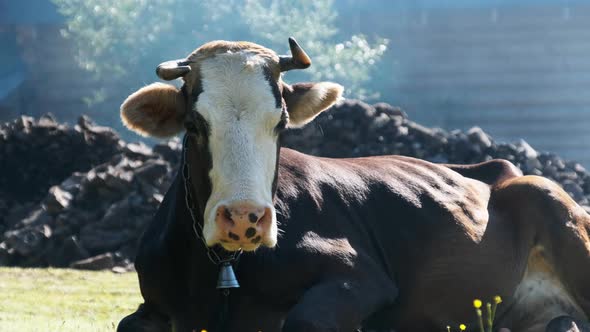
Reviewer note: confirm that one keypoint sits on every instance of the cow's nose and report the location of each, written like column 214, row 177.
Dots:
column 243, row 222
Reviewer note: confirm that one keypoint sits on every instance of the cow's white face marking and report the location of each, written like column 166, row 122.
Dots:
column 238, row 104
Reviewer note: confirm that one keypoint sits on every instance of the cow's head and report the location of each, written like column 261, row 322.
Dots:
column 234, row 102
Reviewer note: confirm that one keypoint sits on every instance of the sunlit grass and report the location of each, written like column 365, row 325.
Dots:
column 61, row 300
column 43, row 300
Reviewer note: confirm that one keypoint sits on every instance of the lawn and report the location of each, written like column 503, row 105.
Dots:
column 43, row 300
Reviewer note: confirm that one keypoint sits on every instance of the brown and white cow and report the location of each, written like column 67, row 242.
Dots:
column 380, row 243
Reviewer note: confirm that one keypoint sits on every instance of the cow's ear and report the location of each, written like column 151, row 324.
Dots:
column 306, row 100
column 157, row 110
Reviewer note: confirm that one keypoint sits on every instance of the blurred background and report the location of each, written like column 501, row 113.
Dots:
column 518, row 69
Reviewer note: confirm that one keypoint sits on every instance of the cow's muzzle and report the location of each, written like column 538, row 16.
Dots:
column 244, row 225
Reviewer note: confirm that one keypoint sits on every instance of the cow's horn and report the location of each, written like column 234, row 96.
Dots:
column 297, row 60
column 171, row 70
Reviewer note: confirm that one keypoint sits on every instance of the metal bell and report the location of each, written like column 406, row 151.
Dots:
column 227, row 277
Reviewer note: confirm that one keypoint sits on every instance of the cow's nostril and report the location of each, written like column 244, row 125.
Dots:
column 253, row 217
column 233, row 236
column 224, row 216
column 265, row 218
column 227, row 213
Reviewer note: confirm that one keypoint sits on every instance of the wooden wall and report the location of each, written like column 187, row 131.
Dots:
column 516, row 71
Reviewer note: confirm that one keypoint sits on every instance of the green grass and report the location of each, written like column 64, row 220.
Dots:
column 43, row 300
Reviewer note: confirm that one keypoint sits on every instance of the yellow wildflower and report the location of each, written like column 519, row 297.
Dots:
column 497, row 300
column 462, row 327
column 477, row 303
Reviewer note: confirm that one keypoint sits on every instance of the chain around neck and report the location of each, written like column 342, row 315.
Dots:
column 215, row 257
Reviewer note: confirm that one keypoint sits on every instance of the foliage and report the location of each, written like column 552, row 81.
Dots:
column 122, row 39
column 108, row 34
column 348, row 62
column 65, row 300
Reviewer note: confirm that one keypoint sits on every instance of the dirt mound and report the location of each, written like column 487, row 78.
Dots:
column 81, row 197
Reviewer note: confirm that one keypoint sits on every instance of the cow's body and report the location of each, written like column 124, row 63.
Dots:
column 336, row 244
column 394, row 242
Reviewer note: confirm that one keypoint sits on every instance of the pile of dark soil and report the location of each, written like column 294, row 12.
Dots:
column 81, row 197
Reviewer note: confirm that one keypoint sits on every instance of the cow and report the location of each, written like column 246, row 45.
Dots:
column 376, row 243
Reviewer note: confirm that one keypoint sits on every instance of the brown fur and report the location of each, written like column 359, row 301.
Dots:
column 155, row 110
column 306, row 100
column 423, row 241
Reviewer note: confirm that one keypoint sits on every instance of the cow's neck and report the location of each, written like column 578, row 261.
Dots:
column 196, row 158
